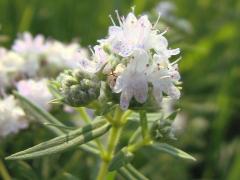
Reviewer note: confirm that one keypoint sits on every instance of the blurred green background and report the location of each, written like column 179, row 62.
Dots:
column 210, row 69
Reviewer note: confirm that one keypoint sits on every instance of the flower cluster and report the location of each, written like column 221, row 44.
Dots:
column 36, row 91
column 136, row 59
column 26, row 67
column 12, row 117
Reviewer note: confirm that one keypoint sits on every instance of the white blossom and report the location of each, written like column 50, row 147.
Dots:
column 63, row 55
column 36, row 91
column 27, row 44
column 11, row 64
column 133, row 80
column 145, row 54
column 163, row 77
column 12, row 117
column 133, row 33
column 31, row 49
column 93, row 65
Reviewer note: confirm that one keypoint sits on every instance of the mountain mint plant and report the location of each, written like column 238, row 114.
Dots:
column 126, row 79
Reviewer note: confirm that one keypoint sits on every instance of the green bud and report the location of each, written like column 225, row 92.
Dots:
column 78, row 88
column 162, row 131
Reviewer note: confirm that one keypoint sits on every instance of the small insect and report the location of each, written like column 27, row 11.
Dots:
column 112, row 78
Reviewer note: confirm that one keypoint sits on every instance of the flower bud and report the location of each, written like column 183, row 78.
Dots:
column 162, row 130
column 78, row 88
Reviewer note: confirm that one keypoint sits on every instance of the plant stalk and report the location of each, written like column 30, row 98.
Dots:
column 3, row 171
column 113, row 140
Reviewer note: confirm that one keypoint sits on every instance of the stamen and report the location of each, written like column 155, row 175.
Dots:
column 159, row 15
column 165, row 77
column 175, row 62
column 91, row 49
column 118, row 17
column 164, row 31
column 110, row 16
column 133, row 8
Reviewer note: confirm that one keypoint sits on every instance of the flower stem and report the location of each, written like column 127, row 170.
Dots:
column 4, row 172
column 87, row 119
column 113, row 140
column 144, row 124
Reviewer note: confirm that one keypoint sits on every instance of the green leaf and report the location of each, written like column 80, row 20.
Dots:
column 136, row 135
column 46, row 117
column 105, row 109
column 64, row 138
column 38, row 112
column 126, row 174
column 63, row 127
column 52, row 86
column 173, row 115
column 151, row 117
column 173, row 151
column 61, row 143
column 138, row 175
column 68, row 176
column 122, row 158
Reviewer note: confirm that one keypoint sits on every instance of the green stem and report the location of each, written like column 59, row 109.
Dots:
column 4, row 172
column 144, row 124
column 113, row 140
column 134, row 147
column 87, row 119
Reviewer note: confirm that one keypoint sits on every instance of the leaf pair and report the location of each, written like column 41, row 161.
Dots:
column 173, row 151
column 129, row 172
column 50, row 121
column 64, row 142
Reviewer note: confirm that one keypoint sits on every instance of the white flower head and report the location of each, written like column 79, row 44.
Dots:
column 36, row 91
column 163, row 77
column 63, row 55
column 27, row 44
column 132, row 82
column 31, row 49
column 93, row 65
column 136, row 33
column 145, row 54
column 12, row 117
column 11, row 64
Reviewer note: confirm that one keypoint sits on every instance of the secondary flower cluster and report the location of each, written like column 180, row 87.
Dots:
column 135, row 59
column 12, row 117
column 27, row 67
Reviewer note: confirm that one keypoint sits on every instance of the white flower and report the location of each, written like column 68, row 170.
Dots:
column 12, row 117
column 164, row 76
column 63, row 55
column 31, row 49
column 99, row 59
column 27, row 44
column 133, row 33
column 145, row 54
column 133, row 80
column 11, row 64
column 36, row 91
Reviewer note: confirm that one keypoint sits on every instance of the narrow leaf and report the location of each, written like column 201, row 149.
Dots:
column 136, row 135
column 126, row 174
column 138, row 175
column 84, row 138
column 173, row 151
column 173, row 115
column 122, row 158
column 38, row 112
column 64, row 138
